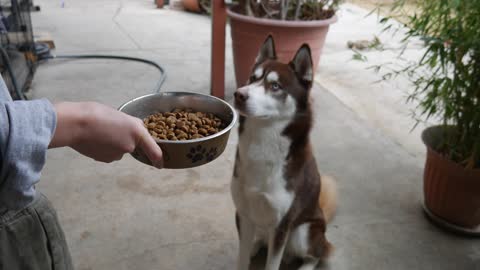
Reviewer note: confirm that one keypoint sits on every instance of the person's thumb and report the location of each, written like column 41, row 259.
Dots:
column 151, row 149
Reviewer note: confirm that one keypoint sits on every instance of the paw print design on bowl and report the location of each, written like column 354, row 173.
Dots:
column 197, row 153
column 212, row 154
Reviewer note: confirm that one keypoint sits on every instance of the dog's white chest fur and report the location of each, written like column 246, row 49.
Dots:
column 259, row 190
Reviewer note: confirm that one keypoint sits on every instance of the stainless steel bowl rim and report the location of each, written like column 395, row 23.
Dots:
column 218, row 134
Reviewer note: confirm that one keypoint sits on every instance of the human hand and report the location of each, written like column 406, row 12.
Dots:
column 102, row 133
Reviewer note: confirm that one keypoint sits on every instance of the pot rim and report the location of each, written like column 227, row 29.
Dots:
column 283, row 23
column 430, row 147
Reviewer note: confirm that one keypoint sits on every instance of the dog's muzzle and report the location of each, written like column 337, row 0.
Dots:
column 241, row 97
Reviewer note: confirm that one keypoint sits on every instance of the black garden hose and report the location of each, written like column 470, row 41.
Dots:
column 43, row 52
column 160, row 81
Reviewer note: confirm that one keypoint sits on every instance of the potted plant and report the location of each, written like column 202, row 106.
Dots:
column 290, row 22
column 197, row 6
column 447, row 89
column 192, row 5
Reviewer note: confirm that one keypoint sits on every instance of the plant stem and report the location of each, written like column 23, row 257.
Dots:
column 284, row 9
column 297, row 11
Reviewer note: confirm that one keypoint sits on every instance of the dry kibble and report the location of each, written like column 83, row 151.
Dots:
column 185, row 129
column 171, row 120
column 182, row 124
column 151, row 125
column 203, row 131
column 178, row 131
column 182, row 136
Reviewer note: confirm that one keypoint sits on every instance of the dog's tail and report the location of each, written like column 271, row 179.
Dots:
column 328, row 197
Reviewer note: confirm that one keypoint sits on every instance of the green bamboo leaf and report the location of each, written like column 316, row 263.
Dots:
column 446, row 78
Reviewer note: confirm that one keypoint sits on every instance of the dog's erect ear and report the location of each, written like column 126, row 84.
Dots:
column 267, row 51
column 302, row 64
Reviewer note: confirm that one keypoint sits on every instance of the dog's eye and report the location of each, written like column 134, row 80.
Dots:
column 275, row 86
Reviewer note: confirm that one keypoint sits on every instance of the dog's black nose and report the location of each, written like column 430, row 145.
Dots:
column 240, row 96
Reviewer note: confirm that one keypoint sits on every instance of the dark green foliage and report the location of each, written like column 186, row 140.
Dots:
column 447, row 77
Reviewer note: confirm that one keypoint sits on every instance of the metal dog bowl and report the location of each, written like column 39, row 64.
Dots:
column 188, row 153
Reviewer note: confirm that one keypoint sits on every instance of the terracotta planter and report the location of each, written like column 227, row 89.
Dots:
column 160, row 3
column 192, row 5
column 249, row 33
column 452, row 193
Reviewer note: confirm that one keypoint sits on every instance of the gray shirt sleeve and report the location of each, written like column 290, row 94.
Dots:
column 26, row 129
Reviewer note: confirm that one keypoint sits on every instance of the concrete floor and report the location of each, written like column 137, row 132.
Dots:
column 126, row 215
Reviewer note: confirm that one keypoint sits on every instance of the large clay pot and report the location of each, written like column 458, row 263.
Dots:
column 160, row 3
column 452, row 192
column 192, row 5
column 249, row 33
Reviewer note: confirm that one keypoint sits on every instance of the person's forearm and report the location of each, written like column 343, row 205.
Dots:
column 71, row 120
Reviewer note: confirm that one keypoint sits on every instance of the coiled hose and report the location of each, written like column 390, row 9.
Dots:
column 43, row 53
column 160, row 81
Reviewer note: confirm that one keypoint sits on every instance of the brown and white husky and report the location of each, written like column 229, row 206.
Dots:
column 281, row 201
